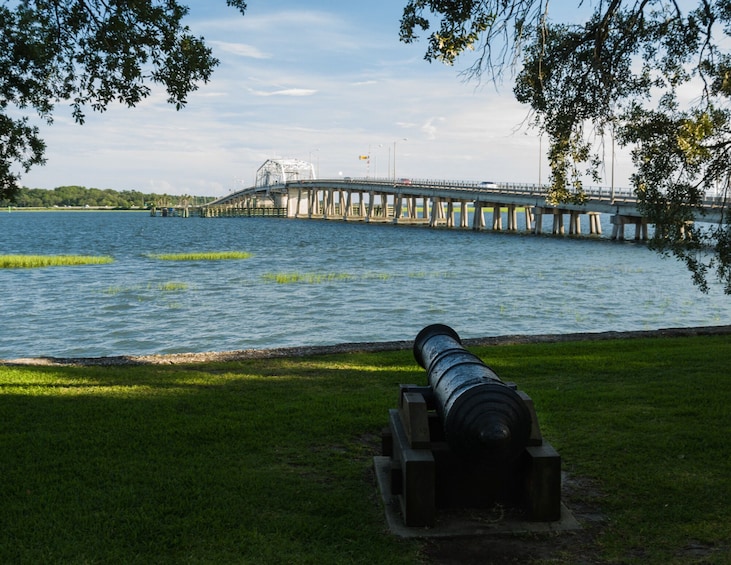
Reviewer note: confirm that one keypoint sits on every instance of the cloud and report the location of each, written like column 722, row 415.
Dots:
column 275, row 21
column 429, row 129
column 240, row 49
column 285, row 92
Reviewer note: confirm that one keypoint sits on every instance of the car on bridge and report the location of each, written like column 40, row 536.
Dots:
column 488, row 184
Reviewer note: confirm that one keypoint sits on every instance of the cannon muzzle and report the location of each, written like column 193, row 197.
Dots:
column 483, row 418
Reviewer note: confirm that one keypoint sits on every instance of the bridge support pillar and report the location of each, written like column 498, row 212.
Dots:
column 641, row 230
column 529, row 218
column 497, row 217
column 450, row 213
column 296, row 212
column 397, row 206
column 437, row 212
column 595, row 223
column 348, row 208
column 325, row 203
column 384, row 206
column 512, row 217
column 301, row 204
column 371, row 205
column 538, row 220
column 320, row 202
column 478, row 221
column 558, row 224
column 618, row 223
column 558, row 227
column 331, row 211
column 463, row 217
column 617, row 228
column 441, row 216
column 574, row 223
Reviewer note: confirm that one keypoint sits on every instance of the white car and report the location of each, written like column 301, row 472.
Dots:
column 488, row 184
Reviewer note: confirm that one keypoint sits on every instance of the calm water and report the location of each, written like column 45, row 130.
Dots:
column 362, row 283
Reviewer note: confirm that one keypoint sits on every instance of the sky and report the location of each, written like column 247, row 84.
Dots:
column 321, row 81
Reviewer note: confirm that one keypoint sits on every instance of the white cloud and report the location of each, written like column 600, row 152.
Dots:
column 239, row 49
column 429, row 129
column 285, row 92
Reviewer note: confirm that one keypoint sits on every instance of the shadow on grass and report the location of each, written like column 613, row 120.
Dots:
column 213, row 464
column 269, row 460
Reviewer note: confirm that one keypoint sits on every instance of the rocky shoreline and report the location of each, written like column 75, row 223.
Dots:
column 363, row 347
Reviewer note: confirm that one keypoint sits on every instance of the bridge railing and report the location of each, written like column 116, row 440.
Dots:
column 603, row 194
column 623, row 194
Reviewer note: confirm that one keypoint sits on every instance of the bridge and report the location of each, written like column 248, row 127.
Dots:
column 288, row 188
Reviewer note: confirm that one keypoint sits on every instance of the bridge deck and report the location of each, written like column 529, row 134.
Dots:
column 423, row 201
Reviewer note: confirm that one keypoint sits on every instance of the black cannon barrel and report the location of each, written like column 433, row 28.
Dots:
column 483, row 418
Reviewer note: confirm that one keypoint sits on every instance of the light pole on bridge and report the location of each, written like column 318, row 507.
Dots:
column 394, row 156
column 540, row 159
column 612, row 189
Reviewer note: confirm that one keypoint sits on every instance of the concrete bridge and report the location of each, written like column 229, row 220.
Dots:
column 289, row 188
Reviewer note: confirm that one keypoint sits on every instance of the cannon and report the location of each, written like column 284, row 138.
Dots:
column 483, row 418
column 466, row 440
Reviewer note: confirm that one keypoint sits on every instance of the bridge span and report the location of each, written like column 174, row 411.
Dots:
column 436, row 203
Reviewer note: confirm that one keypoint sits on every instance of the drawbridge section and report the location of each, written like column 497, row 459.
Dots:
column 270, row 194
column 276, row 172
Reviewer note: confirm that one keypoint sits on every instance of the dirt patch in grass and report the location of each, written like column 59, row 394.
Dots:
column 581, row 496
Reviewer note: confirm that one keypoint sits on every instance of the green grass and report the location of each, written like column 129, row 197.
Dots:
column 204, row 256
column 270, row 461
column 318, row 278
column 172, row 286
column 169, row 286
column 648, row 419
column 308, row 278
column 38, row 261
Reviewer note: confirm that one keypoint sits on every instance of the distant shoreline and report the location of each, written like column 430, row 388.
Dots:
column 363, row 347
column 11, row 209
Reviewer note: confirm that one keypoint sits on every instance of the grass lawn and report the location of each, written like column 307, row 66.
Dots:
column 270, row 460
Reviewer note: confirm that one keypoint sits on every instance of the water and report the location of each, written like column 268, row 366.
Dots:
column 363, row 283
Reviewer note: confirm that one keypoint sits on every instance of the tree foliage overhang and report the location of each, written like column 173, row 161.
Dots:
column 88, row 53
column 654, row 74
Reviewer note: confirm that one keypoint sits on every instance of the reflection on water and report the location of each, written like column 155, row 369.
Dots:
column 318, row 282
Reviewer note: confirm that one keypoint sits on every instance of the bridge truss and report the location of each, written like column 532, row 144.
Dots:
column 282, row 171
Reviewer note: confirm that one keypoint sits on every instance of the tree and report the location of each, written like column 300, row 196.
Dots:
column 653, row 74
column 88, row 53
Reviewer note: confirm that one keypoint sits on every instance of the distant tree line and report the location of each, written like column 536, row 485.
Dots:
column 79, row 196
